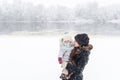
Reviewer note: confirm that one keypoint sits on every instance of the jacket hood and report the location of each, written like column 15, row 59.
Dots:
column 88, row 47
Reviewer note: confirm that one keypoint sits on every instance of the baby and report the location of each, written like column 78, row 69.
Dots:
column 66, row 46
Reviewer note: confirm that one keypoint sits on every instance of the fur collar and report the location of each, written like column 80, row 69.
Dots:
column 87, row 48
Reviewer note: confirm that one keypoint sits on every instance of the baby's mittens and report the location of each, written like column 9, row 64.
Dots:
column 60, row 60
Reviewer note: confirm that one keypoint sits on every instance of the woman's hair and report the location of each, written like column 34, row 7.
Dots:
column 74, row 52
column 83, row 41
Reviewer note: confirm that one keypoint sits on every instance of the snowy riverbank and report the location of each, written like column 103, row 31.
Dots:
column 35, row 58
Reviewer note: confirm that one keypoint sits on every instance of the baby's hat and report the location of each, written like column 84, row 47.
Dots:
column 67, row 37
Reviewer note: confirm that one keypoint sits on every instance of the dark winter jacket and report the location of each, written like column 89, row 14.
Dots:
column 80, row 60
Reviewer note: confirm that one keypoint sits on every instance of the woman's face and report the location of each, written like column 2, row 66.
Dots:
column 76, row 44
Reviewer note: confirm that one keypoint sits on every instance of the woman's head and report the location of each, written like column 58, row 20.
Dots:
column 81, row 40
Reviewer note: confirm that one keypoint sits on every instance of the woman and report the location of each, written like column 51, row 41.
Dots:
column 79, row 57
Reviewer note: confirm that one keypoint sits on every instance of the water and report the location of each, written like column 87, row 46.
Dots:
column 59, row 27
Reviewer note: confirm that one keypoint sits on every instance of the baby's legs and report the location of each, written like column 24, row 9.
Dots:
column 64, row 71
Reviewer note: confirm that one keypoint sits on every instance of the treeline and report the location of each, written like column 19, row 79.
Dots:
column 19, row 11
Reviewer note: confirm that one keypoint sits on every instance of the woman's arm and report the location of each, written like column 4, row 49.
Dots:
column 80, row 63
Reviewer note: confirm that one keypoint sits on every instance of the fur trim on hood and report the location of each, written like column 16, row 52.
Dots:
column 77, row 50
column 88, row 47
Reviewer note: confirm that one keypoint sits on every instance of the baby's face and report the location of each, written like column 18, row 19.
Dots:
column 67, row 41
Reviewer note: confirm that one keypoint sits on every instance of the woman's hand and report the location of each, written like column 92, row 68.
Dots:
column 71, row 68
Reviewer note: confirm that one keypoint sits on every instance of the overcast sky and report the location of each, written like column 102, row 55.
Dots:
column 69, row 3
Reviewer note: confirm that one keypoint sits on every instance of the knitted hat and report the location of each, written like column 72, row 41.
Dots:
column 82, row 39
column 67, row 38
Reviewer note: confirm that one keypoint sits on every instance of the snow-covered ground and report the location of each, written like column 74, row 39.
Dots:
column 115, row 21
column 35, row 58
